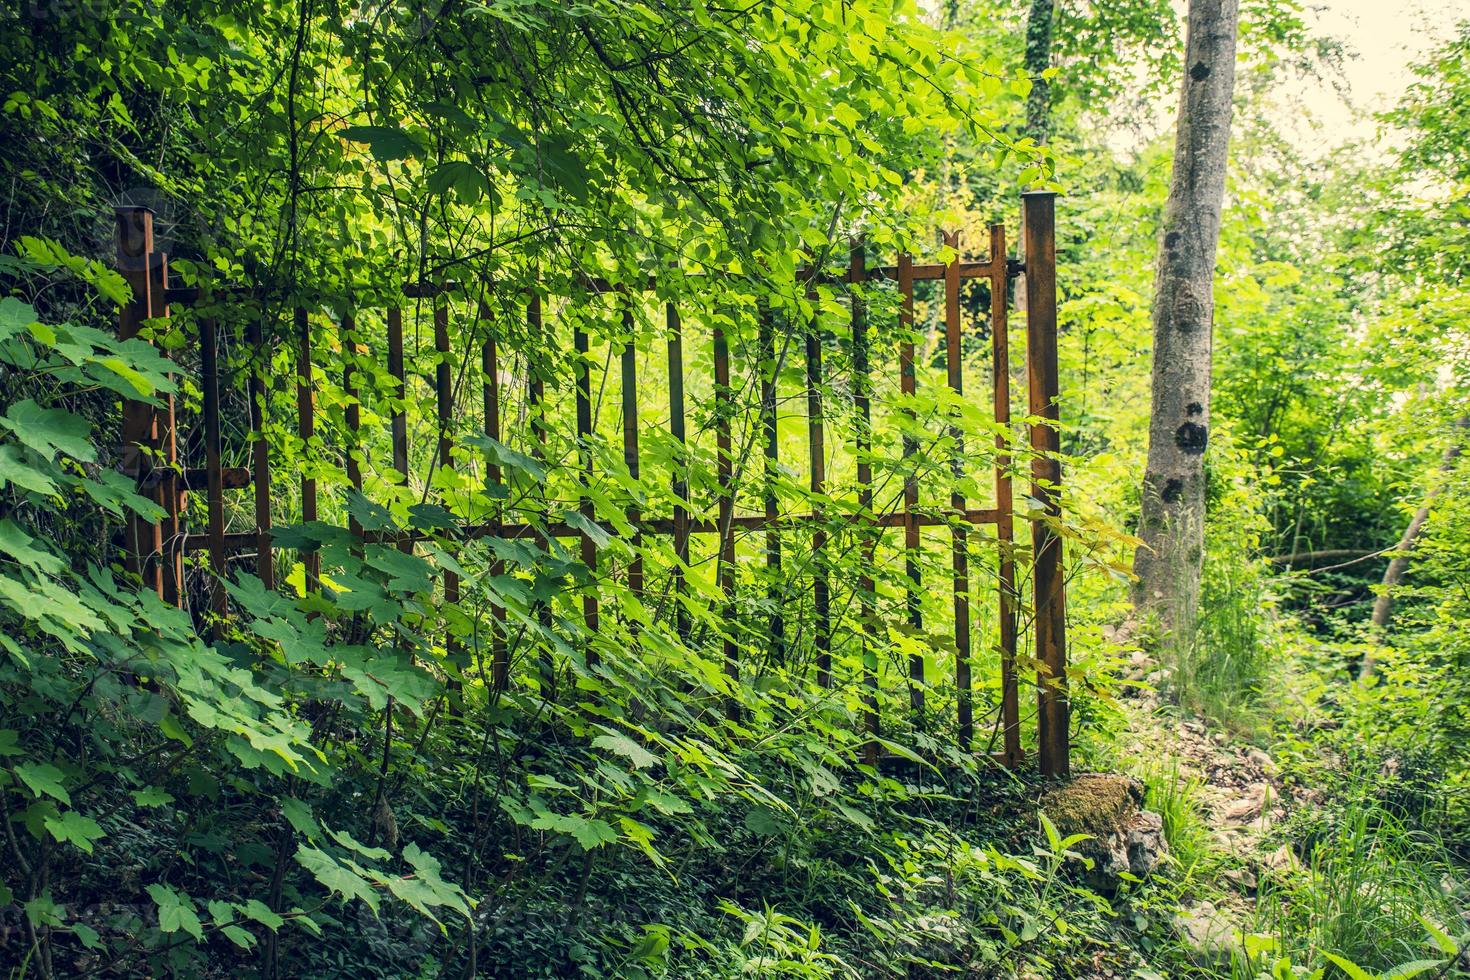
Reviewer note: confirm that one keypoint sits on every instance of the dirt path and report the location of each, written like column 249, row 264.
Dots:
column 1238, row 799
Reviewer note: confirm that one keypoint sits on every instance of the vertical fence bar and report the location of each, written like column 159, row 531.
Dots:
column 135, row 256
column 444, row 403
column 536, row 410
column 170, row 495
column 1010, row 707
column 443, row 385
column 817, row 449
column 352, row 454
column 681, row 466
column 582, row 373
column 260, row 462
column 862, row 387
column 306, row 428
column 209, row 391
column 960, row 539
column 912, row 598
column 490, row 398
column 398, row 422
column 1048, row 591
column 629, row 367
column 768, row 371
column 726, row 519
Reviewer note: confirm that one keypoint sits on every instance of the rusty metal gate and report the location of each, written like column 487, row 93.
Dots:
column 151, row 437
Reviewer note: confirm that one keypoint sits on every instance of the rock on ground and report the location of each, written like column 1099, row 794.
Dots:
column 1122, row 836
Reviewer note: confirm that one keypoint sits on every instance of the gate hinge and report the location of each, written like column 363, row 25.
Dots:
column 1014, row 268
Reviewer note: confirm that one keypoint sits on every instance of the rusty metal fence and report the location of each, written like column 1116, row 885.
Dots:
column 151, row 437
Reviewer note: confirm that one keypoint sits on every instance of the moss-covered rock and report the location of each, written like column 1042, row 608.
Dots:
column 1121, row 835
column 1096, row 803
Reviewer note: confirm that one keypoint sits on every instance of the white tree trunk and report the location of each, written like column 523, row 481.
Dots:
column 1394, row 574
column 1172, row 520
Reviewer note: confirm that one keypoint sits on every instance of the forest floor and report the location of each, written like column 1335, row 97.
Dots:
column 1228, row 791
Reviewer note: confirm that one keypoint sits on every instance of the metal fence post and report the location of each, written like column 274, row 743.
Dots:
column 1048, row 589
column 135, row 258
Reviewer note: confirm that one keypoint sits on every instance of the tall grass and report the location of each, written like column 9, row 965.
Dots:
column 1221, row 671
column 1174, row 796
column 1360, row 895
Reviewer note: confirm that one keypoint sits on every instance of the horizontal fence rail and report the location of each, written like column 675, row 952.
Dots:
column 795, row 541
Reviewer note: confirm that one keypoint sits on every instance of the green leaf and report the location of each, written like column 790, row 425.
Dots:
column 372, row 517
column 625, row 746
column 1406, row 970
column 384, row 142
column 116, row 493
column 298, row 815
column 594, row 531
column 72, row 827
column 1350, row 968
column 352, row 844
column 16, row 318
column 15, row 544
column 238, row 936
column 14, row 469
column 50, row 430
column 137, row 383
column 43, row 779
column 1440, row 938
column 86, row 935
column 151, row 796
column 175, row 911
column 170, row 727
column 467, row 181
column 43, row 910
column 592, row 834
column 337, row 877
column 258, row 911
column 499, row 454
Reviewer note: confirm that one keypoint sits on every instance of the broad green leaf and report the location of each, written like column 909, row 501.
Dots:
column 16, row 545
column 625, row 746
column 16, row 317
column 337, row 877
column 1406, row 970
column 1350, row 968
column 594, row 531
column 152, row 796
column 298, row 815
column 1438, row 936
column 260, row 912
column 72, row 827
column 50, row 430
column 592, row 834
column 15, row 469
column 467, row 181
column 384, row 142
column 175, row 911
column 238, row 936
column 500, row 454
column 44, row 779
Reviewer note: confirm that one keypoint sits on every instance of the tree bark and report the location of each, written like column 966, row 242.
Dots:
column 1394, row 574
column 1038, row 60
column 1171, row 523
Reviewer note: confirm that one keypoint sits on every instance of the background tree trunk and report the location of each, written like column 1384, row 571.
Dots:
column 1038, row 60
column 1172, row 519
column 1394, row 574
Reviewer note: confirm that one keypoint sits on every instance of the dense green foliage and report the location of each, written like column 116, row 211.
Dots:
column 327, row 783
